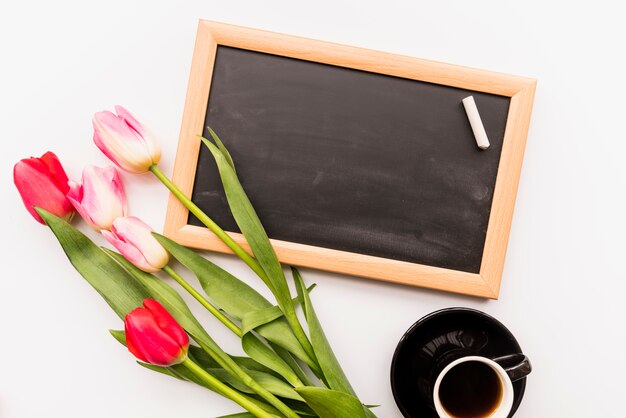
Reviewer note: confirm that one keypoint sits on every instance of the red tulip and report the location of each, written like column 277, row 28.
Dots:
column 42, row 182
column 154, row 336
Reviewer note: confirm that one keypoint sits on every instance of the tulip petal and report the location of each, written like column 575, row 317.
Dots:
column 129, row 252
column 101, row 198
column 135, row 232
column 97, row 139
column 154, row 149
column 75, row 196
column 148, row 341
column 56, row 171
column 130, row 120
column 115, row 125
column 37, row 188
column 130, row 337
column 116, row 138
column 117, row 187
column 166, row 322
column 75, row 191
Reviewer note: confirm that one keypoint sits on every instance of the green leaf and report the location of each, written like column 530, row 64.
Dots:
column 369, row 413
column 234, row 296
column 113, row 283
column 242, row 415
column 201, row 357
column 262, row 353
column 119, row 335
column 329, row 403
column 255, row 319
column 206, row 362
column 222, row 148
column 279, row 333
column 252, row 229
column 163, row 370
column 333, row 372
column 268, row 381
column 293, row 364
column 301, row 408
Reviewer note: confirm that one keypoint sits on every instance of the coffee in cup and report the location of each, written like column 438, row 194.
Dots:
column 478, row 387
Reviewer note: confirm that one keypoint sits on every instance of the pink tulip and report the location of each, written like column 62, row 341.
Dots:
column 125, row 141
column 154, row 336
column 42, row 182
column 134, row 240
column 100, row 198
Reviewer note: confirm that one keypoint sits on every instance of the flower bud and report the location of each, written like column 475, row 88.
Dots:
column 134, row 240
column 125, row 141
column 154, row 336
column 100, row 199
column 42, row 182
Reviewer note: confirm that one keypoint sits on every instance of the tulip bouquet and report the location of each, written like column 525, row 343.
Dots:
column 288, row 372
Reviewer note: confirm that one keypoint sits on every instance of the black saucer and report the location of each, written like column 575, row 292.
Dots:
column 438, row 334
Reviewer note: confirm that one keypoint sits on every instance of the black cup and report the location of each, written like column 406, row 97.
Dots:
column 445, row 339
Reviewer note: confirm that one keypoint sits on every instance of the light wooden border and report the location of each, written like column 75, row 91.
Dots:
column 521, row 91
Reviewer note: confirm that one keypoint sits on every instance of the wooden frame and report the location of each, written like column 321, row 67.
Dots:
column 521, row 91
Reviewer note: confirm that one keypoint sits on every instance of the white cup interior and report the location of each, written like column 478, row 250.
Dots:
column 506, row 400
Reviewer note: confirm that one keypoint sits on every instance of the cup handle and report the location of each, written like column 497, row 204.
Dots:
column 517, row 366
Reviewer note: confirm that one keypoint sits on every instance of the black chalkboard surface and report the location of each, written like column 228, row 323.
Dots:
column 351, row 160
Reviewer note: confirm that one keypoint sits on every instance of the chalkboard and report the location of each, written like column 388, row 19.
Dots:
column 353, row 160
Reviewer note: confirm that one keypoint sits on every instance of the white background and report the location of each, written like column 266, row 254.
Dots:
column 564, row 274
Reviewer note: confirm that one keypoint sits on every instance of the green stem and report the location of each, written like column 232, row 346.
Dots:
column 203, row 301
column 289, row 311
column 224, row 389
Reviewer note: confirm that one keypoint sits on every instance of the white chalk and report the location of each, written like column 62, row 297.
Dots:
column 476, row 122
